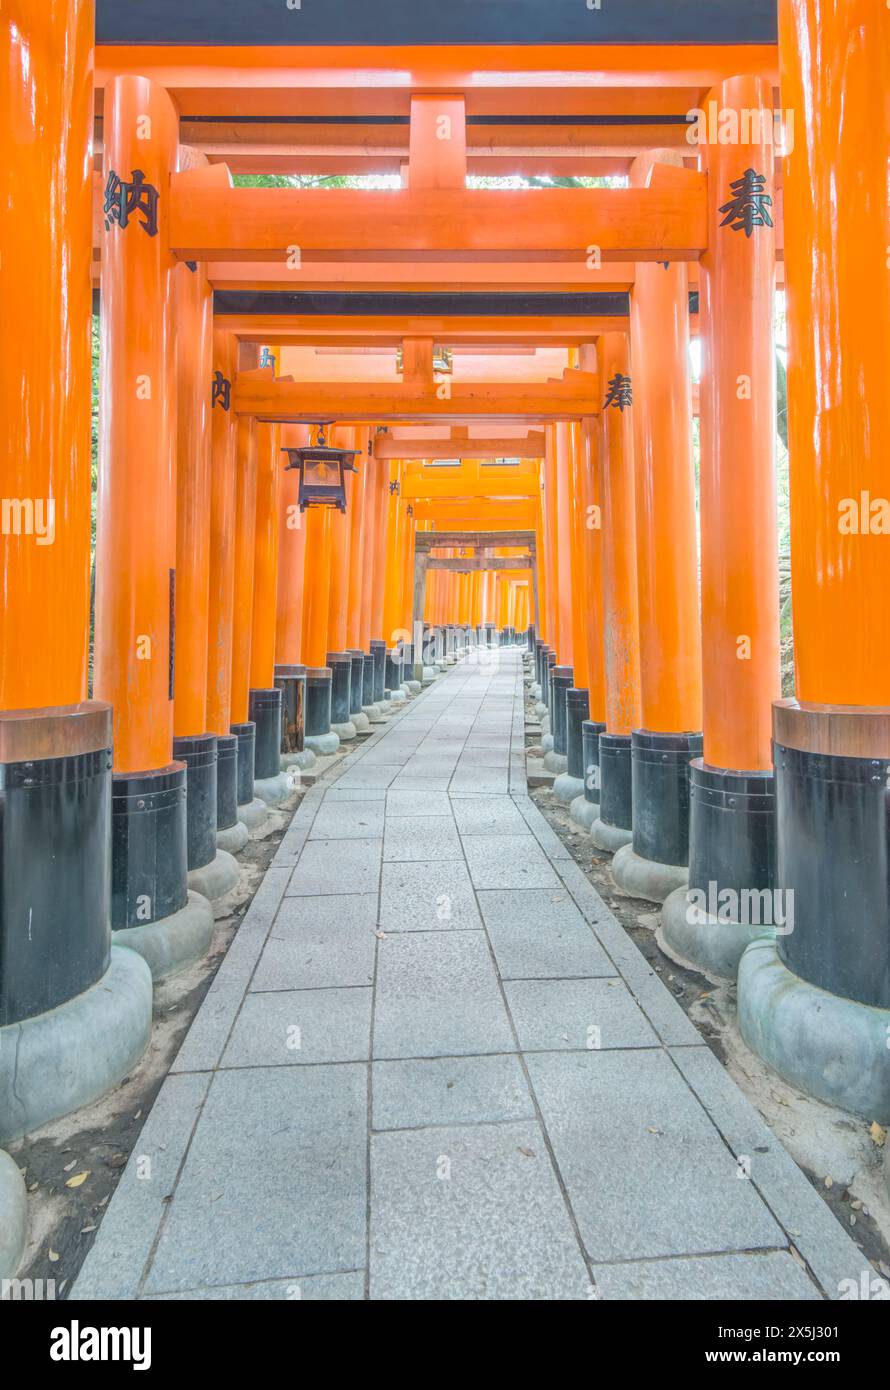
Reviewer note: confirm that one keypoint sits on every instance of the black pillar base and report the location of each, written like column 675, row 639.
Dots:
column 55, row 855
column 394, row 670
column 149, row 864
column 660, row 764
column 591, row 729
column 264, row 708
column 246, row 736
column 549, row 664
column 291, row 681
column 616, row 781
column 577, row 710
column 368, row 680
column 378, row 652
column 200, row 757
column 226, row 782
column 340, row 664
column 833, row 853
column 732, row 829
column 318, row 701
column 357, row 681
column 561, row 678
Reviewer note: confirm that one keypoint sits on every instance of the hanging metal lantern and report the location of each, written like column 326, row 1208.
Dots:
column 322, row 473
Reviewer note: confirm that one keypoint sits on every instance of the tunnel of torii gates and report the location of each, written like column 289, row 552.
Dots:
column 521, row 474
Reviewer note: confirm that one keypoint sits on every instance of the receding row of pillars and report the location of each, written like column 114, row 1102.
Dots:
column 759, row 822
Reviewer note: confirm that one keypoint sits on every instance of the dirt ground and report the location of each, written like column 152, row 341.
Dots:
column 838, row 1152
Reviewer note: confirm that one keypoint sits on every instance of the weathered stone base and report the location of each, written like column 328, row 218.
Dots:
column 273, row 790
column 832, row 1048
column 172, row 943
column 345, row 732
column 58, row 1061
column 233, row 838
column 609, row 837
column 362, row 723
column 698, row 941
column 13, row 1216
column 553, row 761
column 254, row 814
column 303, row 760
column 646, row 878
column 374, row 713
column 322, row 745
column 566, row 787
column 217, row 878
column 584, row 812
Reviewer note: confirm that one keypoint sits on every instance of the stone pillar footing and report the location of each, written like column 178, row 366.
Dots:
column 273, row 790
column 566, row 787
column 610, row 838
column 217, row 878
column 698, row 940
column 56, row 1062
column 584, row 812
column 233, row 838
column 171, row 944
column 253, row 813
column 323, row 745
column 646, row 878
column 13, row 1216
column 830, row 1047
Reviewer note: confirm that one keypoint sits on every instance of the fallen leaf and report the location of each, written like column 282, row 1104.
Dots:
column 53, row 1256
column 69, row 1166
column 797, row 1256
column 78, row 1178
column 86, row 1230
column 527, row 1153
column 878, row 1134
column 829, row 1182
column 381, row 936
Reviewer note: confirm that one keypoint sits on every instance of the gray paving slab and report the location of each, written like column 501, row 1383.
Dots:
column 320, row 943
column 539, row 933
column 480, row 780
column 769, row 1275
column 508, row 861
column 318, row 1288
column 420, row 838
column 566, row 1015
column 373, row 775
column 301, row 1027
column 473, row 1212
column 438, row 995
column 449, row 1090
column 338, row 793
column 274, row 1185
column 646, row 1171
column 417, row 801
column 812, row 1227
column 488, row 815
column 337, row 866
column 121, row 1249
column 350, row 820
column 430, row 895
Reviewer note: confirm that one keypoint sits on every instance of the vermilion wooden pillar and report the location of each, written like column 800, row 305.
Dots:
column 667, row 567
column 231, row 833
column 620, row 612
column 816, row 1003
column 265, row 697
column 134, row 659
column 55, row 745
column 291, row 554
column 732, row 831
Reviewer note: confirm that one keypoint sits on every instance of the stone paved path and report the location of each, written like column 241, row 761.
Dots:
column 433, row 1066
